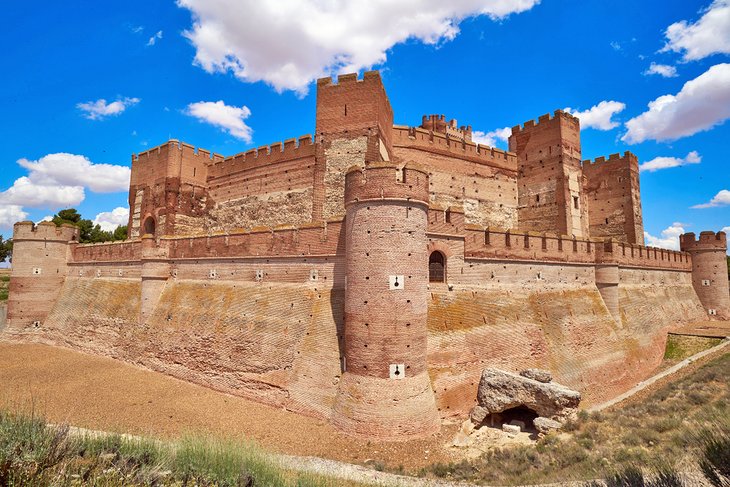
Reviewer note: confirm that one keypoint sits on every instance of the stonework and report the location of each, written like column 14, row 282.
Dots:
column 369, row 274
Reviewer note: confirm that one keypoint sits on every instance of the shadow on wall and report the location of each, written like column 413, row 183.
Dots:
column 337, row 299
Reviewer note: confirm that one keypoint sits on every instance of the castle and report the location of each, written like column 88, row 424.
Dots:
column 368, row 274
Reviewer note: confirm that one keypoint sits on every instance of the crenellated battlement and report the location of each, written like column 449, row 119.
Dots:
column 45, row 230
column 430, row 141
column 349, row 78
column 187, row 151
column 547, row 119
column 386, row 181
column 708, row 241
column 287, row 150
column 613, row 158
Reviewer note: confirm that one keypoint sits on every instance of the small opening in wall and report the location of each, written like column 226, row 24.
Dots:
column 575, row 202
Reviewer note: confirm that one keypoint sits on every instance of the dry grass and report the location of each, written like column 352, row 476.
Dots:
column 663, row 432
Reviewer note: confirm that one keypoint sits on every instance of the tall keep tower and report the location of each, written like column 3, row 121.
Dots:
column 709, row 271
column 354, row 125
column 385, row 388
column 550, row 178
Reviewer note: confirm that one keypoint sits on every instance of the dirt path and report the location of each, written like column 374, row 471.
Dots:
column 104, row 394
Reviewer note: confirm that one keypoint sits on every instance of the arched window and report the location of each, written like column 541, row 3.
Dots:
column 149, row 225
column 436, row 267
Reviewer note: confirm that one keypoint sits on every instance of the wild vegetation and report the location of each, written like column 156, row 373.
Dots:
column 683, row 426
column 33, row 453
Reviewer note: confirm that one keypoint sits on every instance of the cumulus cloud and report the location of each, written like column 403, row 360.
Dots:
column 110, row 220
column 308, row 39
column 720, row 199
column 492, row 138
column 669, row 238
column 9, row 214
column 701, row 104
column 228, row 118
column 663, row 70
column 100, row 109
column 599, row 116
column 154, row 38
column 666, row 162
column 64, row 169
column 709, row 35
column 57, row 181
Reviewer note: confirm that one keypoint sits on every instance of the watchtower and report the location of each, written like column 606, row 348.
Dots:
column 168, row 192
column 40, row 259
column 709, row 271
column 385, row 388
column 550, row 179
column 354, row 126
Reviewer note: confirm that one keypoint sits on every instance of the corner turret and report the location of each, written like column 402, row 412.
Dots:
column 709, row 271
column 40, row 262
column 385, row 390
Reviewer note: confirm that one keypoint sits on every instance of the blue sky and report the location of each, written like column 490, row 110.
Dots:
column 86, row 84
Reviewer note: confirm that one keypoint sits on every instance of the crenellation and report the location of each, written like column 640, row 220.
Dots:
column 325, row 263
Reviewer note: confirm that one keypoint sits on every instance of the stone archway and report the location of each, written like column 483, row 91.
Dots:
column 436, row 267
column 149, row 226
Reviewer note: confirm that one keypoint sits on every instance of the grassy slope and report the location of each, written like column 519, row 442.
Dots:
column 661, row 430
column 32, row 453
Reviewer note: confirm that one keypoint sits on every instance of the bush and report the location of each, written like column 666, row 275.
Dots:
column 715, row 458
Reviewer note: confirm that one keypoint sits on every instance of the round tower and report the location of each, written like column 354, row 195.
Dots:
column 385, row 389
column 709, row 271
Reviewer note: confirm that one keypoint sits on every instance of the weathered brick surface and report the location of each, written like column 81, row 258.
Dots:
column 709, row 270
column 269, row 274
column 612, row 190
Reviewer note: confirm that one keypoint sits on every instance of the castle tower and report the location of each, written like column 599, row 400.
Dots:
column 385, row 390
column 354, row 125
column 550, row 179
column 437, row 123
column 614, row 199
column 40, row 257
column 709, row 271
column 168, row 192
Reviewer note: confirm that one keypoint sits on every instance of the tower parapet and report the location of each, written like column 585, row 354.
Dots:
column 385, row 388
column 709, row 271
column 438, row 124
column 550, row 178
column 40, row 257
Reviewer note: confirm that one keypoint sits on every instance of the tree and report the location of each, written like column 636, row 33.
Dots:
column 88, row 232
column 6, row 248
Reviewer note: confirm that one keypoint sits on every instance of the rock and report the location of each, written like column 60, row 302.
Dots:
column 517, row 422
column 545, row 425
column 537, row 374
column 478, row 414
column 499, row 391
column 510, row 428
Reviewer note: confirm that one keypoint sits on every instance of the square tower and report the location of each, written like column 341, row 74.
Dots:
column 550, row 179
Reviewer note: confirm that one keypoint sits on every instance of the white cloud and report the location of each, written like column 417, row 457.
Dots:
column 100, row 109
column 615, row 46
column 720, row 199
column 64, row 169
column 709, row 35
column 110, row 220
column 10, row 214
column 599, row 116
column 229, row 118
column 669, row 238
column 58, row 181
column 701, row 104
column 726, row 230
column 663, row 70
column 154, row 38
column 491, row 138
column 666, row 162
column 308, row 39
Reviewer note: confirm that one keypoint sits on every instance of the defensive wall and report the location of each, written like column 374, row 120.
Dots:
column 368, row 273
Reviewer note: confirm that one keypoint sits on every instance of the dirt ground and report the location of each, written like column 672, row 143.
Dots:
column 104, row 394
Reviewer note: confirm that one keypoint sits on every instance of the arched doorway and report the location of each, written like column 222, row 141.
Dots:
column 149, row 225
column 436, row 267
